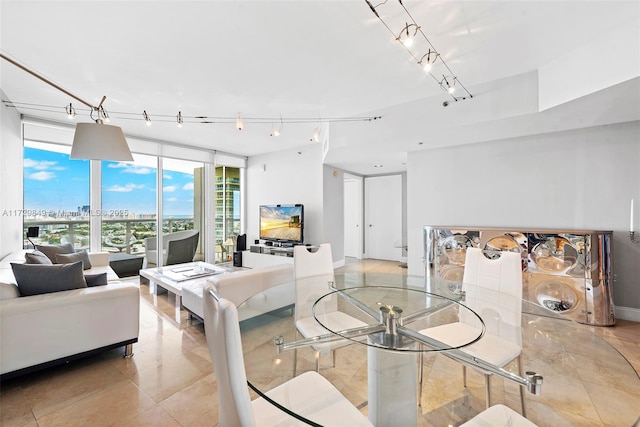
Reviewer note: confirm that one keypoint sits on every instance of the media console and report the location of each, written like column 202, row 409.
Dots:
column 264, row 256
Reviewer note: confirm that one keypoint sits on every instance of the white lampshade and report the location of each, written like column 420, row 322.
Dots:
column 97, row 141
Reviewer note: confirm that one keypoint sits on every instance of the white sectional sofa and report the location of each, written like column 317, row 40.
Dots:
column 38, row 331
column 238, row 286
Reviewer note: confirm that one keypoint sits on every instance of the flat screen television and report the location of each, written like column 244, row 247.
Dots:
column 282, row 223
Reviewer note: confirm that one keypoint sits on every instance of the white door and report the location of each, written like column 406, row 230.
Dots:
column 383, row 217
column 353, row 216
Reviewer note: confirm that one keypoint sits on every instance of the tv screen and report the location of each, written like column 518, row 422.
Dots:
column 282, row 223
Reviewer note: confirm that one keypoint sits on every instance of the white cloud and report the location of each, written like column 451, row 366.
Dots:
column 124, row 189
column 130, row 168
column 188, row 186
column 170, row 188
column 42, row 176
column 167, row 176
column 41, row 165
column 171, row 199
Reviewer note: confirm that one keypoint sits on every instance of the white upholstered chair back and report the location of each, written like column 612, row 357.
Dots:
column 312, row 271
column 494, row 291
column 225, row 346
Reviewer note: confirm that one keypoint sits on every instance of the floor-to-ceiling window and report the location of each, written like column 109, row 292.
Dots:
column 129, row 204
column 116, row 206
column 56, row 195
column 227, row 209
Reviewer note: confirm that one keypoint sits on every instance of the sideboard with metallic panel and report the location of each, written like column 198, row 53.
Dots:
column 568, row 272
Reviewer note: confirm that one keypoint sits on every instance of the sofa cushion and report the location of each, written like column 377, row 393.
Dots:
column 82, row 256
column 37, row 257
column 8, row 291
column 51, row 250
column 96, row 279
column 34, row 279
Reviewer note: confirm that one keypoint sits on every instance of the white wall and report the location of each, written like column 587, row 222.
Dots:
column 333, row 212
column 287, row 177
column 581, row 179
column 11, row 155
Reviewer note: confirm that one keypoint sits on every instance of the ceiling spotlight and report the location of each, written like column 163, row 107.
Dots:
column 274, row 131
column 316, row 135
column 71, row 112
column 405, row 35
column 448, row 85
column 179, row 119
column 428, row 59
column 147, row 119
column 239, row 122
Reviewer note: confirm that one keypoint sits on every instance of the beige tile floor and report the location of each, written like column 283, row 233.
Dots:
column 170, row 380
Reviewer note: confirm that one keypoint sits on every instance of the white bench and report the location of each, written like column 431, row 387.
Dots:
column 239, row 286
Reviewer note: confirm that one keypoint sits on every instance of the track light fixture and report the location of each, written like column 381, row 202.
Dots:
column 427, row 60
column 405, row 36
column 448, row 85
column 274, row 131
column 147, row 119
column 239, row 125
column 91, row 141
column 103, row 115
column 409, row 38
column 179, row 119
column 71, row 112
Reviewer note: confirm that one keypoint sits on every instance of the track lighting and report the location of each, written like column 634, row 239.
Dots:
column 147, row 119
column 409, row 38
column 428, row 59
column 91, row 141
column 239, row 125
column 274, row 131
column 179, row 119
column 405, row 35
column 103, row 115
column 448, row 85
column 71, row 112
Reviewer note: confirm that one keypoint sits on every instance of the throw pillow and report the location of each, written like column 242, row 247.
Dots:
column 34, row 279
column 99, row 279
column 51, row 250
column 74, row 257
column 37, row 257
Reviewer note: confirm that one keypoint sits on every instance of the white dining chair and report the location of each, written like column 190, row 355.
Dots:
column 313, row 276
column 493, row 289
column 309, row 395
column 498, row 415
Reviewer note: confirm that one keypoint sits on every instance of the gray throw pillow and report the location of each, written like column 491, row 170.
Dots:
column 99, row 279
column 34, row 279
column 75, row 257
column 37, row 257
column 51, row 250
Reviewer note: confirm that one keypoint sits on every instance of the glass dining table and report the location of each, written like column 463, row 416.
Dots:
column 379, row 371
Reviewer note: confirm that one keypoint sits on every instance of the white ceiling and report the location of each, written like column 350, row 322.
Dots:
column 293, row 59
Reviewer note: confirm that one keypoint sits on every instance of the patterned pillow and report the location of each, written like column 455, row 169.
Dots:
column 74, row 257
column 51, row 250
column 34, row 279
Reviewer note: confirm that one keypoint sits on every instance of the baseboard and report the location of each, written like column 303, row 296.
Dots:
column 628, row 313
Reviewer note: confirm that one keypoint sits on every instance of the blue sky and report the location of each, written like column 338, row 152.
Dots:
column 52, row 181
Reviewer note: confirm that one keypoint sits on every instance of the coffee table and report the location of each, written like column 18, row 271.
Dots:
column 173, row 277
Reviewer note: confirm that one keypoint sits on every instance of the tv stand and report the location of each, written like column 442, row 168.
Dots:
column 263, row 256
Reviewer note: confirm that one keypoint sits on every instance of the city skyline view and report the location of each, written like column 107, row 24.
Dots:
column 54, row 182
